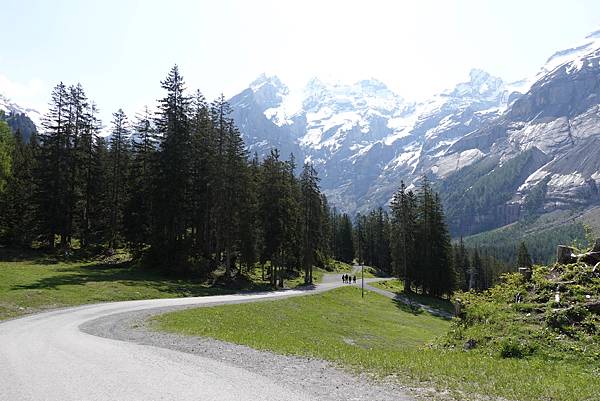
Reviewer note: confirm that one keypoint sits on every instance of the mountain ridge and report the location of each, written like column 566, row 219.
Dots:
column 364, row 139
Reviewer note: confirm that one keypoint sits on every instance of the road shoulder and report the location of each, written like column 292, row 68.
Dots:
column 316, row 378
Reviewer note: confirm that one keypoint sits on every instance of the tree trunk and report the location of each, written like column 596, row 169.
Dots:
column 228, row 262
column 564, row 255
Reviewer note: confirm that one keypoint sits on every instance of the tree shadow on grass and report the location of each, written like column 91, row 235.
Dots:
column 126, row 275
column 417, row 304
column 11, row 254
column 406, row 306
column 304, row 287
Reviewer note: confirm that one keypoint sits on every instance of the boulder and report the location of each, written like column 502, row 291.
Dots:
column 470, row 344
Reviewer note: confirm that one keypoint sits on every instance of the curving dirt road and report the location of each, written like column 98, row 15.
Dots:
column 47, row 357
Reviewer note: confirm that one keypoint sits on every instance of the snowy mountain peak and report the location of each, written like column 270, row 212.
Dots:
column 594, row 35
column 364, row 138
column 316, row 84
column 268, row 80
column 370, row 94
column 328, row 115
column 480, row 85
column 572, row 54
column 372, row 84
column 269, row 91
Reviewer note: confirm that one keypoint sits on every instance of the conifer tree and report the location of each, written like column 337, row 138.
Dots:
column 138, row 208
column 476, row 278
column 372, row 239
column 170, row 247
column 76, row 126
column 203, row 177
column 91, row 173
column 99, row 194
column 326, row 252
column 346, row 241
column 17, row 219
column 403, row 246
column 335, row 243
column 52, row 169
column 360, row 237
column 250, row 218
column 523, row 258
column 443, row 280
column 382, row 239
column 293, row 243
column 461, row 265
column 312, row 224
column 6, row 151
column 236, row 191
column 119, row 161
column 274, row 211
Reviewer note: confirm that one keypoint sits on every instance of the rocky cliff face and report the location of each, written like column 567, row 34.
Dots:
column 497, row 151
column 559, row 117
column 363, row 135
column 19, row 118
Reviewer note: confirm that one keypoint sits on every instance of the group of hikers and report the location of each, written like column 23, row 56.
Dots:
column 347, row 279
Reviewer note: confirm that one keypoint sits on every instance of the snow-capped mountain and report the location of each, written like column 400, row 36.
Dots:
column 26, row 120
column 573, row 55
column 541, row 154
column 358, row 134
column 496, row 150
column 10, row 107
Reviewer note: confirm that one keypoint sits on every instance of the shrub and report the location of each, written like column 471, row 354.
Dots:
column 511, row 348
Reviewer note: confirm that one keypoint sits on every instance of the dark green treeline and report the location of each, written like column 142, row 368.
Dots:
column 174, row 186
column 177, row 188
column 411, row 242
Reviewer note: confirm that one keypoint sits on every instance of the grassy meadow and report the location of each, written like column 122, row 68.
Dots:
column 384, row 337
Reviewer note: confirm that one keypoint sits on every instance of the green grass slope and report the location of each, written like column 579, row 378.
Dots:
column 554, row 316
column 380, row 336
column 31, row 282
column 33, row 285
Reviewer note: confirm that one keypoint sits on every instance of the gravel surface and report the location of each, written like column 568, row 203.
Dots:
column 319, row 379
column 74, row 354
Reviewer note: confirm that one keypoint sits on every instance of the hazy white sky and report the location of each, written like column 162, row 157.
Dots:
column 120, row 50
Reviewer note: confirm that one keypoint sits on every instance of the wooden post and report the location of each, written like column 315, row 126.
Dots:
column 362, row 270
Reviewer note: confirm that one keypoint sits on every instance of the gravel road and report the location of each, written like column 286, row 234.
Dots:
column 105, row 352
